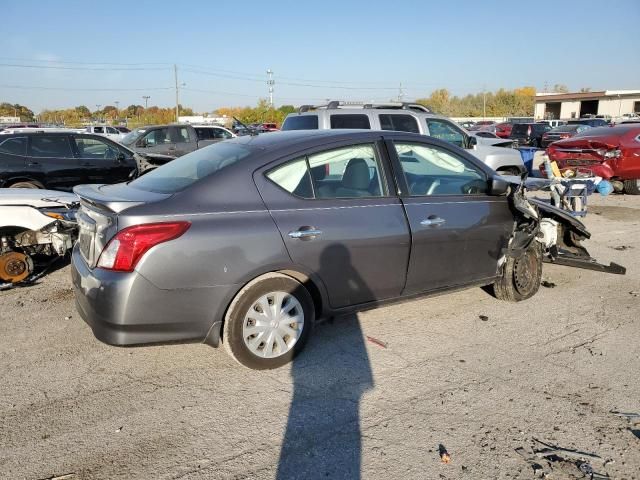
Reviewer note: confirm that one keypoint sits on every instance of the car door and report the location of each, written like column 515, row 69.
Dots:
column 338, row 220
column 156, row 140
column 101, row 160
column 13, row 162
column 51, row 158
column 458, row 230
column 183, row 140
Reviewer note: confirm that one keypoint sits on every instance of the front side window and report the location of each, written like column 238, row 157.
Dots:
column 112, row 130
column 430, row 170
column 220, row 133
column 399, row 123
column 157, row 137
column 182, row 135
column 53, row 146
column 358, row 121
column 444, row 130
column 14, row 146
column 95, row 149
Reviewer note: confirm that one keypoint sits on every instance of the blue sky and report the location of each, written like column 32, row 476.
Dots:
column 352, row 50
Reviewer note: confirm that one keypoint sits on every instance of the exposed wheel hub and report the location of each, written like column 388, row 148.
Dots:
column 15, row 267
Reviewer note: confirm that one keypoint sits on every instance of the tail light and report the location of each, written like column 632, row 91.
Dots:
column 123, row 251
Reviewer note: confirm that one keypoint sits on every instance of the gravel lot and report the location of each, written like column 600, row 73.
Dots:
column 552, row 368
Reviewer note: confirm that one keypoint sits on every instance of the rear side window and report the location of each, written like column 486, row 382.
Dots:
column 399, row 123
column 44, row 146
column 350, row 121
column 204, row 133
column 182, row 135
column 184, row 171
column 293, row 177
column 98, row 130
column 300, row 122
column 520, row 129
column 14, row 146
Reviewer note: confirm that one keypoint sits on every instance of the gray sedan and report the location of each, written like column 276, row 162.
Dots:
column 249, row 241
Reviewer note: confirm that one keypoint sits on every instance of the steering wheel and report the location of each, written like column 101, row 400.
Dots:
column 474, row 187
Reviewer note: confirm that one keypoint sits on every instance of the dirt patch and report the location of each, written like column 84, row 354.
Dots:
column 620, row 214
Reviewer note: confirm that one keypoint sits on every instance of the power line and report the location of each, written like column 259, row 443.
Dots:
column 25, row 87
column 34, row 60
column 87, row 69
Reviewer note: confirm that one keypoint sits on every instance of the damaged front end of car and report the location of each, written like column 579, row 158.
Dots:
column 558, row 231
column 33, row 239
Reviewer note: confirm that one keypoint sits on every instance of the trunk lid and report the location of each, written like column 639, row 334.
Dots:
column 97, row 217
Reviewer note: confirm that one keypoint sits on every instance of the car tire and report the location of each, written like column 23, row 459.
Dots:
column 254, row 337
column 521, row 276
column 632, row 187
column 25, row 185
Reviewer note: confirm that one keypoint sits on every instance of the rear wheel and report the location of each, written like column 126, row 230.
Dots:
column 268, row 322
column 632, row 187
column 520, row 276
column 25, row 185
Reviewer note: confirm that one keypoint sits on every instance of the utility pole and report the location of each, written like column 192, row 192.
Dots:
column 98, row 108
column 484, row 103
column 117, row 103
column 270, row 82
column 175, row 74
column 146, row 100
column 400, row 93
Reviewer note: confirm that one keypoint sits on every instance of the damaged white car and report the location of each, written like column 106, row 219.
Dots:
column 37, row 228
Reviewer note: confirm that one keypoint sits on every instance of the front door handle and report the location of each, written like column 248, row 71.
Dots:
column 308, row 233
column 433, row 221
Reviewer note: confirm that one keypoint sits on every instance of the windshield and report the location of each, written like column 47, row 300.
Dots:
column 131, row 137
column 184, row 171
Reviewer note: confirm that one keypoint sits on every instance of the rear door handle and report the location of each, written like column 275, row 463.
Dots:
column 433, row 221
column 306, row 234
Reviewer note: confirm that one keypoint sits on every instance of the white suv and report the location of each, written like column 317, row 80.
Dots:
column 406, row 117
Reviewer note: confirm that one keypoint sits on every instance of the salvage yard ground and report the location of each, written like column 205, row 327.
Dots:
column 373, row 395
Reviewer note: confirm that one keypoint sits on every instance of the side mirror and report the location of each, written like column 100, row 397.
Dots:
column 120, row 157
column 142, row 143
column 498, row 186
column 472, row 141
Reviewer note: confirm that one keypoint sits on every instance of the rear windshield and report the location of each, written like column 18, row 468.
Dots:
column 184, row 171
column 609, row 131
column 569, row 128
column 300, row 122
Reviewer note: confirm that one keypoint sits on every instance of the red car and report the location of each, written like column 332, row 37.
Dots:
column 609, row 152
column 503, row 130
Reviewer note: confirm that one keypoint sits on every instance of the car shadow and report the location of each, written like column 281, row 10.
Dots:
column 323, row 434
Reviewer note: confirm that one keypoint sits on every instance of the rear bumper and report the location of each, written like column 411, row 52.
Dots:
column 126, row 309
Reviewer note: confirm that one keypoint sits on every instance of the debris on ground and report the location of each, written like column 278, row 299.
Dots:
column 545, row 458
column 484, row 318
column 547, row 284
column 622, row 248
column 444, row 455
column 380, row 343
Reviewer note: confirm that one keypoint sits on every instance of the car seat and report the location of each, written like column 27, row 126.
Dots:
column 356, row 180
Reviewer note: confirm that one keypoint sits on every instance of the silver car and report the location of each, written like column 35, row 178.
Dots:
column 407, row 117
